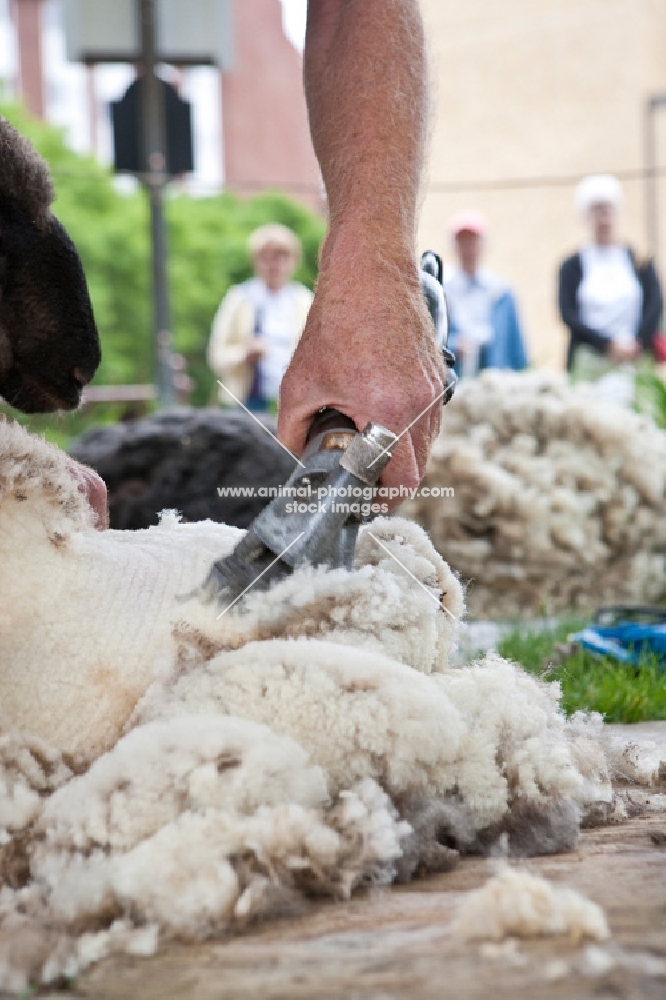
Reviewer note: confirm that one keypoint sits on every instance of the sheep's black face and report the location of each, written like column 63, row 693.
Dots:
column 49, row 347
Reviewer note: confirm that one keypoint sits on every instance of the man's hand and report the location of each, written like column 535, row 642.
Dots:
column 94, row 489
column 368, row 347
column 369, row 351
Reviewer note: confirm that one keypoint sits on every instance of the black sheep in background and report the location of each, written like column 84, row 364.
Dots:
column 179, row 459
column 49, row 347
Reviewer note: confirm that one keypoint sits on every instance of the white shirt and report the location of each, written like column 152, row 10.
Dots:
column 275, row 320
column 610, row 298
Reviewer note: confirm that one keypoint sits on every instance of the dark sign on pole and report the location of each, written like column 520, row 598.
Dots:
column 152, row 125
column 128, row 142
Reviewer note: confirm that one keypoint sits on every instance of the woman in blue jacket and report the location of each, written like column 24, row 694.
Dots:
column 485, row 329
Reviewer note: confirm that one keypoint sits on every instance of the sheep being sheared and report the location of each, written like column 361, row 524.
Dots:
column 353, row 666
column 87, row 618
column 180, row 773
column 49, row 347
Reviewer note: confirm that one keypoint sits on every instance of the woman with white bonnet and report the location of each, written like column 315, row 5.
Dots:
column 609, row 298
column 259, row 322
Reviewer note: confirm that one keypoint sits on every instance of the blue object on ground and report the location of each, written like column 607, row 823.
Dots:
column 626, row 633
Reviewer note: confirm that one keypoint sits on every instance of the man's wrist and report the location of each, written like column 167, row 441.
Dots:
column 365, row 250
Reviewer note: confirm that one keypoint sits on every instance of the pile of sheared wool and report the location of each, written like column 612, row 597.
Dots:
column 168, row 773
column 560, row 498
column 517, row 902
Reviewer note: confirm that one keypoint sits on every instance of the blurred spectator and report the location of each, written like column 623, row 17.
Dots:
column 485, row 329
column 609, row 298
column 259, row 322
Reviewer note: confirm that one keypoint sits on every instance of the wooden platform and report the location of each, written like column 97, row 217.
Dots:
column 398, row 943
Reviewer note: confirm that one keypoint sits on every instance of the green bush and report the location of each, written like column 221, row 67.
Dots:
column 207, row 253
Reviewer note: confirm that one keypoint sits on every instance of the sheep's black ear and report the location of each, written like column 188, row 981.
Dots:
column 3, row 264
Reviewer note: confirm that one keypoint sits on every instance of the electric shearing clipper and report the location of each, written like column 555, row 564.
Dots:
column 309, row 521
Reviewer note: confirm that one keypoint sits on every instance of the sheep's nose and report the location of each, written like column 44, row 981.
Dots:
column 79, row 376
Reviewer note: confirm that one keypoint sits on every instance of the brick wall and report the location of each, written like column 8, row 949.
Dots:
column 264, row 117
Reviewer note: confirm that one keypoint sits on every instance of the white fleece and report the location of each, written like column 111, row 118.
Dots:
column 515, row 902
column 220, row 807
column 560, row 498
column 490, row 731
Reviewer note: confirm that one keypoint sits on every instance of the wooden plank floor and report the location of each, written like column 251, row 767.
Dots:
column 398, row 943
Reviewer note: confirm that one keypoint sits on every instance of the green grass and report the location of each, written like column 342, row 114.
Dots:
column 621, row 693
column 650, row 398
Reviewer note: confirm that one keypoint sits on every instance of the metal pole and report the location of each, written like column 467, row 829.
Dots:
column 652, row 104
column 651, row 206
column 154, row 180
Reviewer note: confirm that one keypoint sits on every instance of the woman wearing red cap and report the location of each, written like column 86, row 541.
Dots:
column 485, row 329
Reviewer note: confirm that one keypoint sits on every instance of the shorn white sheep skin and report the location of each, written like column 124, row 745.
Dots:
column 168, row 773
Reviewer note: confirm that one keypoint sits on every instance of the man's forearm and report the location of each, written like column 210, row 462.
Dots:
column 368, row 348
column 365, row 83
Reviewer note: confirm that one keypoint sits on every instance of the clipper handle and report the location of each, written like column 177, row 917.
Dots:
column 329, row 419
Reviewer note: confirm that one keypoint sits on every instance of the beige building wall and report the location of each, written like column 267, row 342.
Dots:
column 531, row 95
